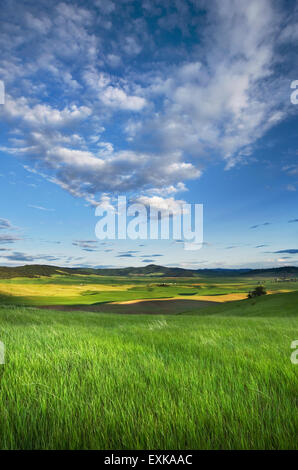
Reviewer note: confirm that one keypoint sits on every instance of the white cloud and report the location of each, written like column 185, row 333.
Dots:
column 114, row 60
column 5, row 224
column 110, row 94
column 105, row 6
column 41, row 208
column 184, row 106
column 85, row 174
column 291, row 169
column 116, row 98
column 164, row 205
column 221, row 105
column 41, row 25
column 131, row 46
column 172, row 189
column 43, row 115
column 8, row 239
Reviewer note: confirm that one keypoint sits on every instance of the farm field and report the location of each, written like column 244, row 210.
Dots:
column 194, row 367
column 80, row 290
column 217, row 378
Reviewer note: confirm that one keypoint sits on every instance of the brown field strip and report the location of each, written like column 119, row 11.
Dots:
column 152, row 306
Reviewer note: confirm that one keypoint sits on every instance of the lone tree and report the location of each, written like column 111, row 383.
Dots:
column 257, row 292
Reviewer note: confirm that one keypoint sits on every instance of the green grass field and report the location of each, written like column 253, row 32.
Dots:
column 216, row 378
column 80, row 289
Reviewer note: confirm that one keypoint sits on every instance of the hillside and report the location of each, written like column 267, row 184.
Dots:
column 45, row 270
column 37, row 270
column 277, row 305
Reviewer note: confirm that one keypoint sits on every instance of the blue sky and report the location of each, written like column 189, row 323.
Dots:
column 162, row 101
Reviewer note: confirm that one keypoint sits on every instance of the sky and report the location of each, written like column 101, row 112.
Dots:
column 166, row 102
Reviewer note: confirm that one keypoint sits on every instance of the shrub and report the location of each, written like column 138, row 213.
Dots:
column 257, row 292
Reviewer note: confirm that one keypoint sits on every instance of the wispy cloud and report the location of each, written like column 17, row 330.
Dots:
column 86, row 245
column 7, row 239
column 41, row 208
column 126, row 255
column 290, row 251
column 23, row 257
column 152, row 256
column 5, row 224
column 260, row 225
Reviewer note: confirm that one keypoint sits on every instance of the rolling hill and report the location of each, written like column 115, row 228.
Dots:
column 37, row 270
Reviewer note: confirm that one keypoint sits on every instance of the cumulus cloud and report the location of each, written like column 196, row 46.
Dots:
column 43, row 116
column 162, row 205
column 85, row 173
column 117, row 98
column 167, row 190
column 114, row 60
column 105, row 6
column 162, row 124
column 131, row 46
column 219, row 104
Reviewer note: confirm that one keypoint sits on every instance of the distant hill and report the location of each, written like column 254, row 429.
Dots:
column 284, row 272
column 34, row 270
column 37, row 270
